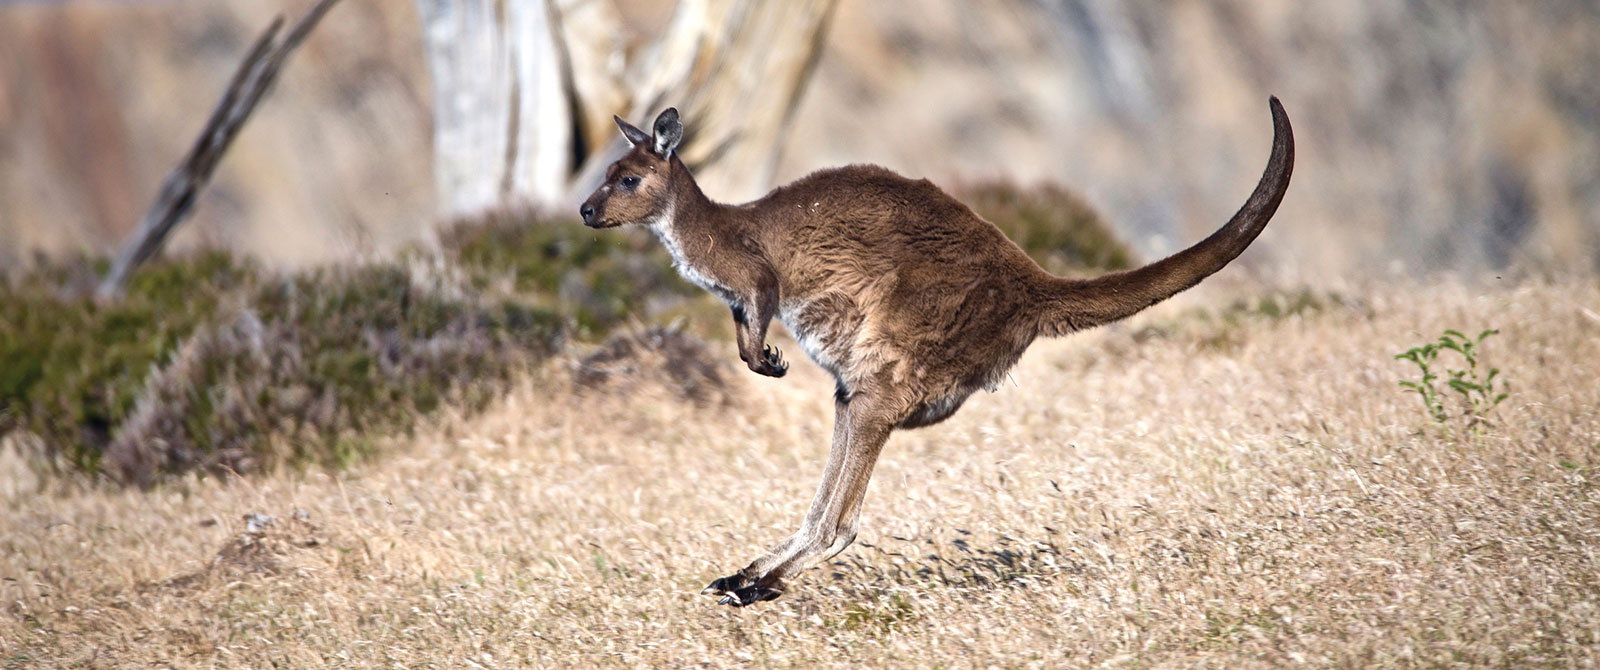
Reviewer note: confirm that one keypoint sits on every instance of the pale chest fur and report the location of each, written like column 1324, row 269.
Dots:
column 688, row 264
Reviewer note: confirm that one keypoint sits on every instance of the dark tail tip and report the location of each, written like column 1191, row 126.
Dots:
column 1282, row 132
column 1274, row 182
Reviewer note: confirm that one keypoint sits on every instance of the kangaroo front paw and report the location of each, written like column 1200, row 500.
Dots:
column 737, row 590
column 770, row 363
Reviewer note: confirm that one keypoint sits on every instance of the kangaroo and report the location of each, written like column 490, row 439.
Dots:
column 909, row 299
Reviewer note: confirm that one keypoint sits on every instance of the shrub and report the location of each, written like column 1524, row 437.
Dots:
column 212, row 365
column 71, row 368
column 660, row 355
column 597, row 278
column 1056, row 227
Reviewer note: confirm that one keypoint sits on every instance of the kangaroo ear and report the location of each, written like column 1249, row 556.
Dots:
column 669, row 132
column 633, row 134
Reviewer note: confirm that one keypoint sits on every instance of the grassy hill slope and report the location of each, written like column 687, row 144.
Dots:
column 1239, row 486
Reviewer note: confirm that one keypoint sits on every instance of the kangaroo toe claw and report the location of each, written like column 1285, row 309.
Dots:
column 772, row 361
column 727, row 584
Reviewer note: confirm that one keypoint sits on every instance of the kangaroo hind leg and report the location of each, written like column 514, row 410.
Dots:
column 862, row 425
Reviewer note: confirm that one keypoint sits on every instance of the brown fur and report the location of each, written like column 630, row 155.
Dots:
column 910, row 300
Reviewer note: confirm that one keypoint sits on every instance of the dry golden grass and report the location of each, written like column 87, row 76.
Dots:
column 1215, row 495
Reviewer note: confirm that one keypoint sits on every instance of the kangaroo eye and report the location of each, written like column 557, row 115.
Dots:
column 630, row 183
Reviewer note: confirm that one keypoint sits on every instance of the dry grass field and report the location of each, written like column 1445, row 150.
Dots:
column 1175, row 491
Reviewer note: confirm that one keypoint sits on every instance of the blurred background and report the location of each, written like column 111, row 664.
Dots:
column 388, row 262
column 1433, row 136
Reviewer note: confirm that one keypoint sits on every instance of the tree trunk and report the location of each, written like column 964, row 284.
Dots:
column 502, row 122
column 524, row 91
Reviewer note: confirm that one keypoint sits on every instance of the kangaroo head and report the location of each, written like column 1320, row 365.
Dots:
column 637, row 188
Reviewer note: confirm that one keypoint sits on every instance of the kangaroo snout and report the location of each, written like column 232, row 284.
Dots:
column 587, row 212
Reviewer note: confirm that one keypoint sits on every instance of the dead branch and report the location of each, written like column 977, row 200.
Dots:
column 182, row 186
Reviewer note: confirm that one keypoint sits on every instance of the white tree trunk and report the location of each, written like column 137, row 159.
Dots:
column 502, row 124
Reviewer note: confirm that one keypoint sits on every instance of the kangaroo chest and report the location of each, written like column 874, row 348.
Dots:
column 826, row 326
column 692, row 266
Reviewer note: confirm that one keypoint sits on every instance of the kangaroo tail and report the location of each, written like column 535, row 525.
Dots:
column 1078, row 304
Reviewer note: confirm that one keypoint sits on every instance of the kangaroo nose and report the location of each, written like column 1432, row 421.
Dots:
column 587, row 211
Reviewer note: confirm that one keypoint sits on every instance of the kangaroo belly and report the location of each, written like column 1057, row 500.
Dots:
column 936, row 410
column 826, row 328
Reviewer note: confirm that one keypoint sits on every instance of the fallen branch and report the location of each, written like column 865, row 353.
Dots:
column 183, row 185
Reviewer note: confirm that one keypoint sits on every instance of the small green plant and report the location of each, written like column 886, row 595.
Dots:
column 1480, row 392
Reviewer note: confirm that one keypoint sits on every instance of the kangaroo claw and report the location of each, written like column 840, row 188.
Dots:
column 774, row 360
column 738, row 590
